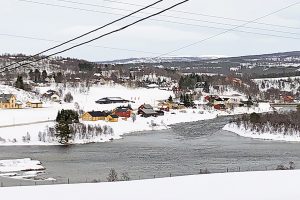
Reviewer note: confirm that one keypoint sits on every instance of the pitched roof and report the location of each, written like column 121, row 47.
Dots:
column 122, row 109
column 4, row 98
column 114, row 116
column 148, row 111
column 146, row 106
column 98, row 113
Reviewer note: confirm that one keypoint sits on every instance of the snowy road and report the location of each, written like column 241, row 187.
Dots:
column 25, row 124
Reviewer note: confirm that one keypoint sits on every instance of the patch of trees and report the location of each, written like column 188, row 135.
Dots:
column 291, row 166
column 68, row 116
column 66, row 133
column 86, row 66
column 189, row 82
column 113, row 176
column 284, row 123
column 187, row 100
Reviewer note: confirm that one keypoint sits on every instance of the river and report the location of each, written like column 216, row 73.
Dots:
column 182, row 150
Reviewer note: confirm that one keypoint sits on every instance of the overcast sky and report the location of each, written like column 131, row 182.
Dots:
column 150, row 38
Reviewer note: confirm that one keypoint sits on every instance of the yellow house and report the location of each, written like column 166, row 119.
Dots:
column 94, row 116
column 34, row 104
column 112, row 118
column 8, row 101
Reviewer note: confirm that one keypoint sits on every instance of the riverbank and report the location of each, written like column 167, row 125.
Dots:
column 40, row 133
column 241, row 186
column 266, row 135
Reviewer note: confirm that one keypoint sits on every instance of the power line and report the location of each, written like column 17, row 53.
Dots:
column 229, row 30
column 160, row 20
column 85, row 34
column 96, row 46
column 106, row 34
column 175, row 17
column 207, row 15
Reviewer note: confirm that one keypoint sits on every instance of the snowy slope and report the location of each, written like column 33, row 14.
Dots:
column 289, row 84
column 272, row 185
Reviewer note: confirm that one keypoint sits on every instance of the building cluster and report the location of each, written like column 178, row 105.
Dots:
column 9, row 101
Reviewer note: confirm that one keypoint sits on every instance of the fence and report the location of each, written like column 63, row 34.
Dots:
column 9, row 182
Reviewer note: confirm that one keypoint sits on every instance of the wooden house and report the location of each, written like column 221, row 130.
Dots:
column 144, row 106
column 123, row 111
column 34, row 104
column 8, row 101
column 112, row 118
column 148, row 113
column 94, row 116
column 111, row 100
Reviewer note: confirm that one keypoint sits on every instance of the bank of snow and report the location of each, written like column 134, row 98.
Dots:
column 267, row 135
column 25, row 168
column 271, row 185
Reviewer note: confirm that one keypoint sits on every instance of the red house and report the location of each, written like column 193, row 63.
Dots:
column 123, row 112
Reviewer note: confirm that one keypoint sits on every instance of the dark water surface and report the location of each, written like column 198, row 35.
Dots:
column 182, row 150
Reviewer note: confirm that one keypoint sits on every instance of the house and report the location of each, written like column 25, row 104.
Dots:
column 288, row 99
column 123, row 111
column 8, row 101
column 52, row 95
column 34, row 104
column 112, row 118
column 111, row 100
column 148, row 113
column 94, row 116
column 219, row 107
column 144, row 106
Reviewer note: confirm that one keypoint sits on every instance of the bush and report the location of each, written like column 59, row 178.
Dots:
column 112, row 176
column 68, row 98
column 254, row 118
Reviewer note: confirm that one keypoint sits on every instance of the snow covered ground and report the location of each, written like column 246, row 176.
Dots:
column 22, row 169
column 290, row 84
column 232, row 127
column 15, row 125
column 271, row 185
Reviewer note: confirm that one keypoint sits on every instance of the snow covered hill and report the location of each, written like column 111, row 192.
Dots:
column 162, row 59
column 271, row 185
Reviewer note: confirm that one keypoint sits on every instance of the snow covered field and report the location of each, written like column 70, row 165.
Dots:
column 271, row 185
column 264, row 136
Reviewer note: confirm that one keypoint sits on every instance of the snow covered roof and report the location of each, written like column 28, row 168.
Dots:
column 98, row 114
column 148, row 111
column 5, row 97
column 35, row 101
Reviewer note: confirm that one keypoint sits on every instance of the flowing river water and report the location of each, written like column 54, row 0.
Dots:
column 182, row 150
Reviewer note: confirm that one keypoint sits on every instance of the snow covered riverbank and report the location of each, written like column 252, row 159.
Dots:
column 268, row 135
column 22, row 169
column 230, row 186
column 31, row 126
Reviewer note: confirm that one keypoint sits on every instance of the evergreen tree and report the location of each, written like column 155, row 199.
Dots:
column 170, row 99
column 37, row 75
column 59, row 77
column 31, row 75
column 63, row 132
column 44, row 75
column 19, row 83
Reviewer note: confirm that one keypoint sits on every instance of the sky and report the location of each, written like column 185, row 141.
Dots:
column 31, row 26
